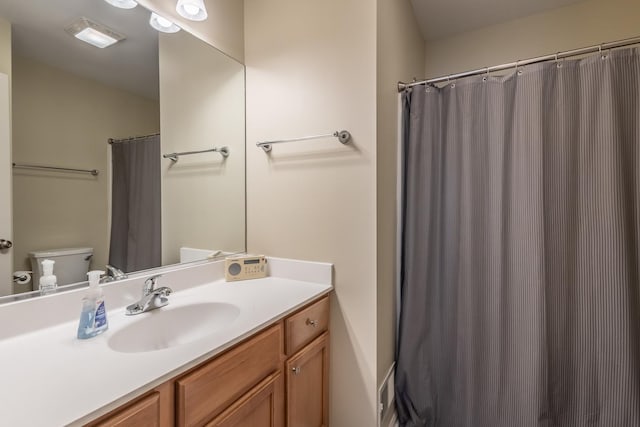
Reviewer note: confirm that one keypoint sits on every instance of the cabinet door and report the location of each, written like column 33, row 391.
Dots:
column 263, row 406
column 307, row 375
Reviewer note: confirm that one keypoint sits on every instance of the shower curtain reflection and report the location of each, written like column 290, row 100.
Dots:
column 136, row 208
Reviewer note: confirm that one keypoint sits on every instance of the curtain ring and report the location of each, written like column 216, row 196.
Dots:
column 449, row 80
column 518, row 72
column 558, row 63
column 485, row 78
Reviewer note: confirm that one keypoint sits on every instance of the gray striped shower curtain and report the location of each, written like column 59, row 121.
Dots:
column 520, row 294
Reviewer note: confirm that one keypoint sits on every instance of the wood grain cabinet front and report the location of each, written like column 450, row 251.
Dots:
column 262, row 406
column 154, row 409
column 206, row 391
column 302, row 327
column 308, row 385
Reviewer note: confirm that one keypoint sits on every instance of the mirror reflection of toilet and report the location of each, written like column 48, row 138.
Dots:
column 72, row 264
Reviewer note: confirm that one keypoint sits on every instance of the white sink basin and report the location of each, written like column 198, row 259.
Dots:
column 169, row 327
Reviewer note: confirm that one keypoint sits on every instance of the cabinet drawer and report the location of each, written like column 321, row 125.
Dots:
column 302, row 327
column 142, row 413
column 205, row 392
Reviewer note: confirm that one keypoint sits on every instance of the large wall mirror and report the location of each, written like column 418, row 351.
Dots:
column 121, row 111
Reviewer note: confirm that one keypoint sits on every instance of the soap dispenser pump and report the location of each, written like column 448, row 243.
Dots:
column 93, row 318
column 48, row 281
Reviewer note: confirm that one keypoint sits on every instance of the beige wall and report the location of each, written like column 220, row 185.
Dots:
column 63, row 120
column 5, row 47
column 400, row 57
column 311, row 70
column 581, row 24
column 202, row 106
column 223, row 29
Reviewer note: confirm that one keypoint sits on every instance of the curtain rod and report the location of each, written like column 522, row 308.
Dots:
column 112, row 140
column 555, row 56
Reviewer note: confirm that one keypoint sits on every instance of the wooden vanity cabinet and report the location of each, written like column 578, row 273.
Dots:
column 307, row 370
column 246, row 386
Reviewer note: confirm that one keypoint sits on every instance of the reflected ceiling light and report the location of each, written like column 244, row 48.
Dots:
column 162, row 24
column 122, row 4
column 93, row 33
column 192, row 9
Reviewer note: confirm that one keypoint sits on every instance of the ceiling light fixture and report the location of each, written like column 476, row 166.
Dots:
column 161, row 23
column 122, row 4
column 93, row 33
column 192, row 9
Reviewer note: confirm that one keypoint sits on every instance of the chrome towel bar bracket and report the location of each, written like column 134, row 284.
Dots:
column 343, row 136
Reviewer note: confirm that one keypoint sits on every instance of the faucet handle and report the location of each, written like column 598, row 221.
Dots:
column 116, row 273
column 150, row 284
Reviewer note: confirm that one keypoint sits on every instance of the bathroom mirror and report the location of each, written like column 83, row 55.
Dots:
column 69, row 99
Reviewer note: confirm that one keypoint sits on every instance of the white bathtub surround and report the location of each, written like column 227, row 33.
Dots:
column 74, row 381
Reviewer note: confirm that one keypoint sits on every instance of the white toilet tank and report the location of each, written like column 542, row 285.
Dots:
column 72, row 264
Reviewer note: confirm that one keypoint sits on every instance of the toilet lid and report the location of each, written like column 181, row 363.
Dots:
column 60, row 252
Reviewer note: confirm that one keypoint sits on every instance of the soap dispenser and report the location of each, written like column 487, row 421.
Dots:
column 48, row 282
column 93, row 318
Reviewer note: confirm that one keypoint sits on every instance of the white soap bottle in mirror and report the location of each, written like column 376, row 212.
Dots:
column 93, row 318
column 48, row 281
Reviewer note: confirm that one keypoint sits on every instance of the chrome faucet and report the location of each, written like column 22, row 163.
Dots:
column 115, row 274
column 152, row 297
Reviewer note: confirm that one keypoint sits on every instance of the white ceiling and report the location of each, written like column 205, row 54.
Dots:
column 132, row 65
column 38, row 33
column 444, row 18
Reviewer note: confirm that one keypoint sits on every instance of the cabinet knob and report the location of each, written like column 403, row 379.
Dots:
column 296, row 370
column 312, row 323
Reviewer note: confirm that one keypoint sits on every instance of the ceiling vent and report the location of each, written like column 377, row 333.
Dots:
column 93, row 33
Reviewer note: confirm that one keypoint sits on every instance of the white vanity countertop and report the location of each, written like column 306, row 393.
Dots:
column 50, row 378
